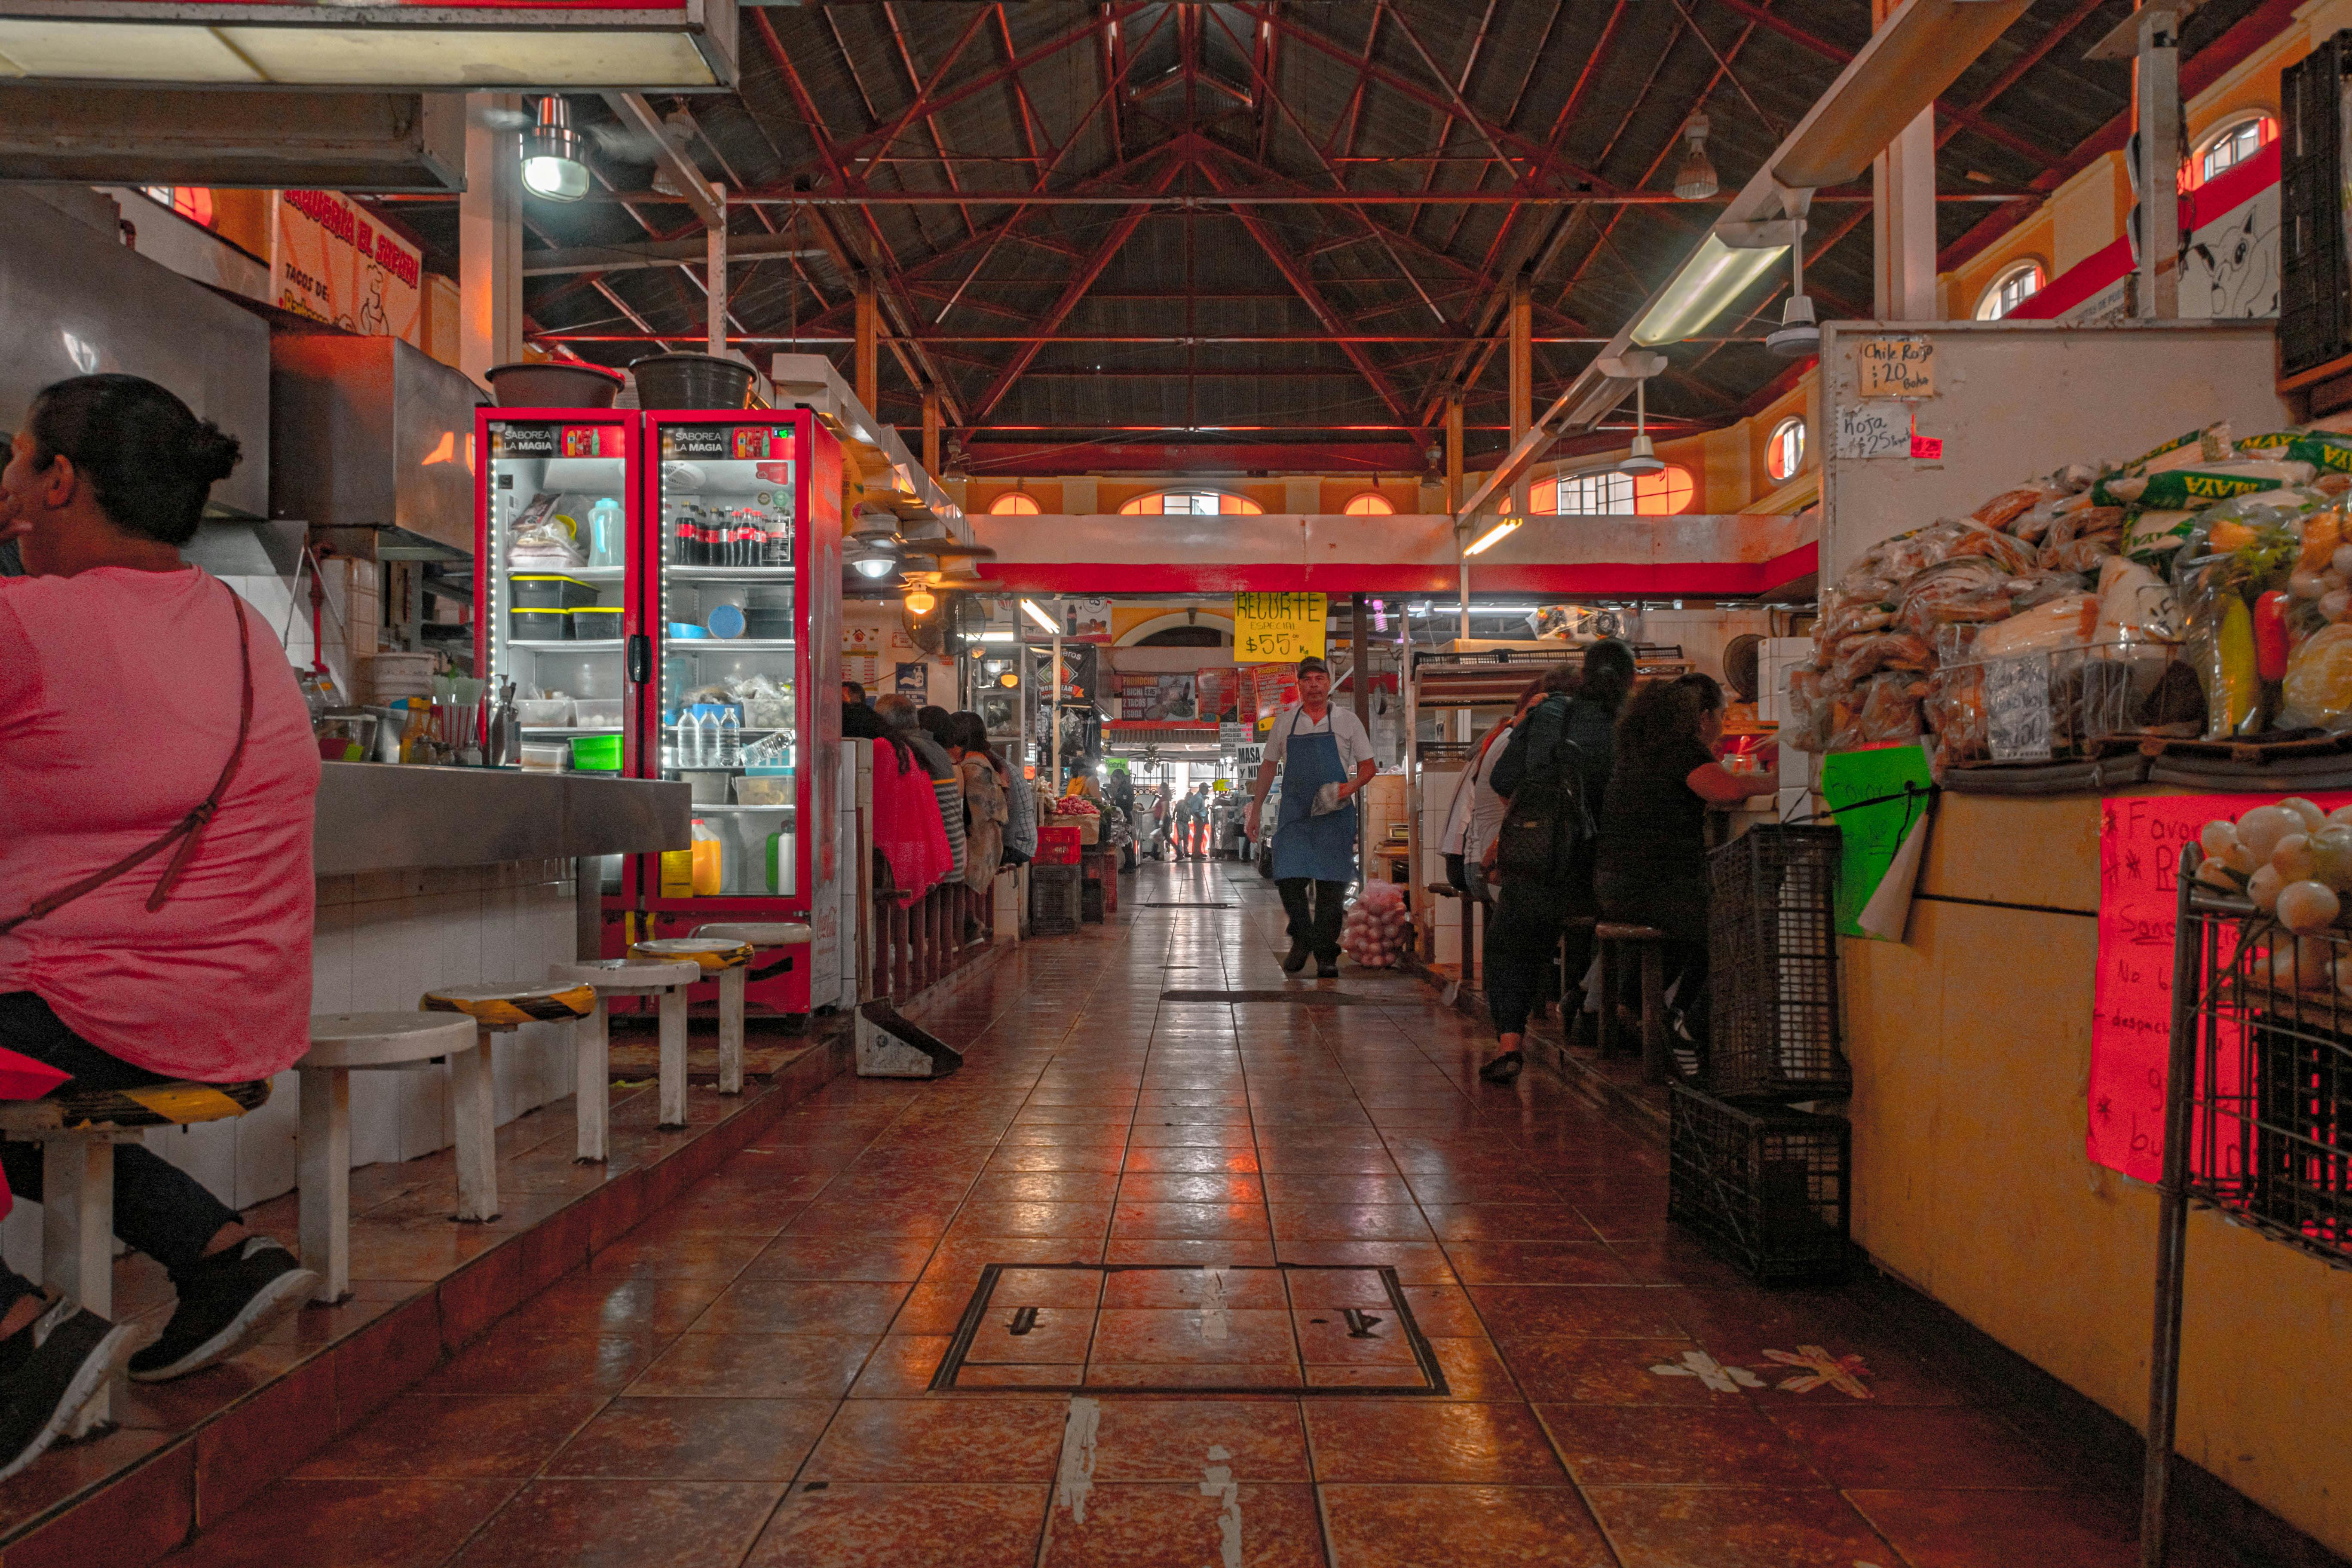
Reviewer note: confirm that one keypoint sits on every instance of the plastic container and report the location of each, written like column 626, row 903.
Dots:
column 606, row 526
column 709, row 854
column 767, row 626
column 545, row 759
column 596, row 712
column 725, row 620
column 597, row 622
column 692, row 381
column 686, row 631
column 764, row 787
column 704, row 788
column 540, row 625
column 596, row 753
column 1057, row 846
column 548, row 385
column 543, row 713
column 551, row 591
column 1773, row 941
column 1054, row 899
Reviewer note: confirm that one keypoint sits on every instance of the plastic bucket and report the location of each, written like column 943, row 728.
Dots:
column 692, row 381
column 551, row 385
column 596, row 753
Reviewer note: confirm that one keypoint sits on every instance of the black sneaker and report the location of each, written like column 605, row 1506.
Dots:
column 1328, row 969
column 226, row 1302
column 1503, row 1069
column 1296, row 959
column 62, row 1359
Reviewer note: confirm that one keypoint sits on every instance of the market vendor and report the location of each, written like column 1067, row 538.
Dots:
column 156, row 880
column 1315, row 851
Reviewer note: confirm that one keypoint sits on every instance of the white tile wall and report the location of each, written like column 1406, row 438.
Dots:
column 382, row 940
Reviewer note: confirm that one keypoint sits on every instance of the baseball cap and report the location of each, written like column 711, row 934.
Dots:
column 1311, row 662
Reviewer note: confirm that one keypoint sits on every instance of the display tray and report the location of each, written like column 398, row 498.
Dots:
column 2074, row 777
column 2253, row 749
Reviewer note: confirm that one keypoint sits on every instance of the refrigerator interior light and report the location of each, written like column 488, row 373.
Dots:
column 1503, row 528
column 1715, row 275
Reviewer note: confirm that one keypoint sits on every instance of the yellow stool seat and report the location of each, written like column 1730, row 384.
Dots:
column 510, row 1006
column 714, row 954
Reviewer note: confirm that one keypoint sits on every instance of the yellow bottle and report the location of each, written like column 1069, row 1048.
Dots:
column 709, row 874
column 677, row 874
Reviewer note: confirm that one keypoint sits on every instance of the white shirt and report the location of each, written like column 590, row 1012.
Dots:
column 1476, row 815
column 1340, row 723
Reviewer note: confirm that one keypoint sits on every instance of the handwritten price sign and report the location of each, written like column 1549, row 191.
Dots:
column 1278, row 629
column 1896, row 367
column 1873, row 430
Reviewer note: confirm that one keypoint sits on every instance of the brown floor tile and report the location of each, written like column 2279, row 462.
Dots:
column 1357, row 1187
column 1899, row 1448
column 684, row 1256
column 1510, row 1222
column 848, row 1216
column 1008, row 1438
column 754, row 1366
column 1195, row 1377
column 658, row 1524
column 1242, row 1160
column 582, row 1302
column 1056, row 1335
column 1537, row 1263
column 1348, row 1222
column 1126, row 1525
column 1135, row 1221
column 1716, row 1527
column 901, row 1367
column 455, row 1437
column 1047, row 1187
column 1229, row 1251
column 1170, row 1439
column 2000, row 1529
column 694, row 1440
column 1162, row 1335
column 513, row 1359
column 1416, row 1262
column 1725, row 1445
column 1461, row 1527
column 1552, row 1311
column 348, row 1524
column 867, row 1258
column 1189, row 1187
column 1405, row 1440
column 839, row 1308
column 1084, row 1220
column 905, row 1526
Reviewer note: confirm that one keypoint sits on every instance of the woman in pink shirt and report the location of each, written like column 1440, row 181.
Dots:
column 155, row 882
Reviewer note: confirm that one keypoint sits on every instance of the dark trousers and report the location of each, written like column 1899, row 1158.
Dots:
column 1522, row 944
column 1316, row 910
column 159, row 1209
column 1677, row 906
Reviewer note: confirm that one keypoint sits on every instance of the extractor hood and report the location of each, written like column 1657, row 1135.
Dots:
column 374, row 441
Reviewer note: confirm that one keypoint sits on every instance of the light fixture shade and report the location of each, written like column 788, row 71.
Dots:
column 872, row 566
column 1715, row 275
column 921, row 601
column 1797, row 337
column 1695, row 176
column 1642, row 460
column 553, row 161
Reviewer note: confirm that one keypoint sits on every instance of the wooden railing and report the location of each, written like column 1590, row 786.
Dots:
column 917, row 945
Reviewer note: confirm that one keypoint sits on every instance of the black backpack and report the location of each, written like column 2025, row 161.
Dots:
column 1546, row 836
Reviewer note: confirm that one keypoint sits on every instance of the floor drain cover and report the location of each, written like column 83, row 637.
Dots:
column 1067, row 1327
column 1303, row 997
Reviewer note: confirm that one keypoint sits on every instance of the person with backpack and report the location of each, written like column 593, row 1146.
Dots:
column 1555, row 773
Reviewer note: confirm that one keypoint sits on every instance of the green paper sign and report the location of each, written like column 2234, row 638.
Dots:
column 1872, row 832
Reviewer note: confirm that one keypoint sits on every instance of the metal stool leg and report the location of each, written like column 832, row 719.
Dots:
column 1606, row 1034
column 732, row 982
column 326, row 1167
column 78, row 1237
column 592, row 1095
column 673, row 1056
column 1656, row 1065
column 476, row 1118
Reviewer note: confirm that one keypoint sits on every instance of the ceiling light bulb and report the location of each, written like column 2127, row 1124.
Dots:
column 553, row 162
column 1694, row 177
column 1503, row 528
column 873, row 566
column 921, row 602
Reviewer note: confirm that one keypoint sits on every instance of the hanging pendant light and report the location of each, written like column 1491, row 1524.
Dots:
column 553, row 162
column 1695, row 176
column 1797, row 335
column 1638, row 366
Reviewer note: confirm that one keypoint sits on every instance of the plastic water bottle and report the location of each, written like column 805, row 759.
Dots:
column 605, row 525
column 705, row 736
column 730, row 737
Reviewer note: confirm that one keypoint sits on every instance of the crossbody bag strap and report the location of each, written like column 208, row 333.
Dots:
column 188, row 833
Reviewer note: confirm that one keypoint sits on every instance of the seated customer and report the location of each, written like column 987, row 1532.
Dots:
column 1651, row 864
column 156, row 898
column 905, row 719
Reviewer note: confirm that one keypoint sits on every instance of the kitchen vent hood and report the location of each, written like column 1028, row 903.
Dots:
column 374, row 442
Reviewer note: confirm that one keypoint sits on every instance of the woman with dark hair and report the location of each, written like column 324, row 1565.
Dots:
column 985, row 808
column 1573, row 725
column 1652, row 864
column 155, row 879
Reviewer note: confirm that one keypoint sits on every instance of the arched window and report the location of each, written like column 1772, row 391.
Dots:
column 1601, row 493
column 2009, row 289
column 1664, row 493
column 1784, row 453
column 1371, row 503
column 1192, row 503
column 1014, row 503
column 1605, row 492
column 2229, row 146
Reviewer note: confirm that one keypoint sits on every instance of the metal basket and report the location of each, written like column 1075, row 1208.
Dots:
column 1772, row 959
column 1768, row 1185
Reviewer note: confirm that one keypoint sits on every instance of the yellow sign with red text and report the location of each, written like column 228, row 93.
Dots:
column 329, row 261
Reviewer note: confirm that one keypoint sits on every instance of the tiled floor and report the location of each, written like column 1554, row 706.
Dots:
column 744, row 1380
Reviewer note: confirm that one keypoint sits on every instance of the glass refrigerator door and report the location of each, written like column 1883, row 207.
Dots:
column 724, row 612
column 552, row 575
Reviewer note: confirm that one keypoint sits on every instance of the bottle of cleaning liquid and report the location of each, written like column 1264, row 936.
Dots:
column 709, row 868
column 604, row 528
column 780, row 862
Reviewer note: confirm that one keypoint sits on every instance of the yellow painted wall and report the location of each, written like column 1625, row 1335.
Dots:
column 1971, row 1044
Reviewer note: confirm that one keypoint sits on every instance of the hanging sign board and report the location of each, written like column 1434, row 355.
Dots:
column 1895, row 367
column 329, row 261
column 1873, row 430
column 1278, row 629
column 2017, row 707
column 1272, row 687
column 1214, row 687
column 1249, row 758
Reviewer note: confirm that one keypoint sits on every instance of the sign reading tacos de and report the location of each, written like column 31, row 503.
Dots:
column 330, row 261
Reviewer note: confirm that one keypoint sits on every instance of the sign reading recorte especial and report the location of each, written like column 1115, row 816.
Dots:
column 332, row 263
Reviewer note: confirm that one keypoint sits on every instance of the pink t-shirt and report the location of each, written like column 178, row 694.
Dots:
column 118, row 693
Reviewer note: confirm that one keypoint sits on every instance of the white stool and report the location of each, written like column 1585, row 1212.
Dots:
column 496, row 1010
column 340, row 1045
column 666, row 978
column 759, row 936
column 724, row 959
column 78, row 1132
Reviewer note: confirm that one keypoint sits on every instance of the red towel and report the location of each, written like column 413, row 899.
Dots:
column 907, row 825
column 22, row 1078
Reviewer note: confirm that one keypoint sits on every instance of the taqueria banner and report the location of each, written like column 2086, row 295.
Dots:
column 330, row 260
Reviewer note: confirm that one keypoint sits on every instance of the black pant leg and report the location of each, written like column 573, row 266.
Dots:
column 1518, row 950
column 1298, row 902
column 1330, row 908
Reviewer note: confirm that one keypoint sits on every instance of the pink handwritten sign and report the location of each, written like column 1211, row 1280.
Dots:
column 1928, row 447
column 2140, row 840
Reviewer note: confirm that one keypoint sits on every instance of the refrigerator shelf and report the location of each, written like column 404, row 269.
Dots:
column 566, row 645
column 585, row 573
column 717, row 645
column 727, row 574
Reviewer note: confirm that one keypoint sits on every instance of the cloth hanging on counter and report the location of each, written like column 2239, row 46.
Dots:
column 908, row 828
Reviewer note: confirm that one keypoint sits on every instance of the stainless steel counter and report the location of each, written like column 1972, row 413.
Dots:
column 376, row 817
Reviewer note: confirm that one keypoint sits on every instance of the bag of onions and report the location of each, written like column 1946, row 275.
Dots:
column 1376, row 930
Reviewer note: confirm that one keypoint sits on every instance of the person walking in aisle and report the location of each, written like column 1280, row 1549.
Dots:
column 1580, row 708
column 1315, row 854
column 1189, row 814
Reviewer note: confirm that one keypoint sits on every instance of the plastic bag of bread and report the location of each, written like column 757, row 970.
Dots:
column 2010, row 554
column 2210, row 444
column 2139, row 621
column 2328, row 451
column 2154, row 537
column 2038, row 586
column 2009, row 505
column 1862, row 656
column 2084, row 555
column 1810, row 711
column 1963, row 588
column 2067, row 621
column 2190, row 487
column 1889, row 707
column 2317, row 690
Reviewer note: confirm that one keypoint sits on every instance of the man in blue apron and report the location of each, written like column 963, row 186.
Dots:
column 1314, row 853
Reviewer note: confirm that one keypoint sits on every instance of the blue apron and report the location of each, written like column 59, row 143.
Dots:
column 1305, row 845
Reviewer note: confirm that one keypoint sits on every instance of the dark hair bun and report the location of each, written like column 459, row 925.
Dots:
column 148, row 459
column 212, row 454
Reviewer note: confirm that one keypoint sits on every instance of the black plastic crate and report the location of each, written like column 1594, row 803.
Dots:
column 1054, row 899
column 2315, row 288
column 1772, row 942
column 1769, row 1186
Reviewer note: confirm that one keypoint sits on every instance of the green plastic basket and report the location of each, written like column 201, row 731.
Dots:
column 596, row 753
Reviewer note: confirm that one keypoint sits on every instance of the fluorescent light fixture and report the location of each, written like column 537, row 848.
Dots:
column 1503, row 528
column 1053, row 627
column 1714, row 276
column 999, row 636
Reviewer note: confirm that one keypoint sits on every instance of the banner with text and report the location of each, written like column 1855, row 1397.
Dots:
column 1278, row 629
column 330, row 261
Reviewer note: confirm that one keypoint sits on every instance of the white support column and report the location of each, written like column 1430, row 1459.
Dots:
column 489, row 235
column 715, row 251
column 326, row 1175
column 1902, row 224
column 2156, row 93
column 78, row 1237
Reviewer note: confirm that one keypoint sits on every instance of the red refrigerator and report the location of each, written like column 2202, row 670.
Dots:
column 736, row 682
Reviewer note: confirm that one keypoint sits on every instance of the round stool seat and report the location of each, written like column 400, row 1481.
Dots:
column 507, row 1006
column 384, row 1039
column 758, row 934
column 712, row 954
column 175, row 1104
column 1614, row 931
column 628, row 974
